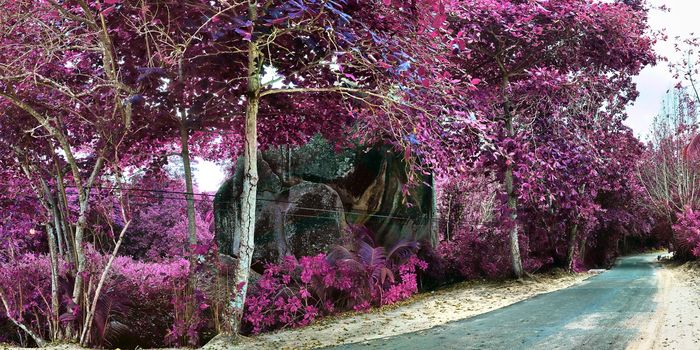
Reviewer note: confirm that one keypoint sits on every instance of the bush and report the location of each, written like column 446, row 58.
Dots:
column 25, row 283
column 295, row 292
column 138, row 304
column 687, row 232
column 151, row 293
column 475, row 252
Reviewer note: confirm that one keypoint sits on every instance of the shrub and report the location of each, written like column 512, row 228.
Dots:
column 477, row 251
column 25, row 282
column 151, row 292
column 295, row 292
column 137, row 304
column 687, row 232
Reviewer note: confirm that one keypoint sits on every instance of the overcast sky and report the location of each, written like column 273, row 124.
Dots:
column 653, row 82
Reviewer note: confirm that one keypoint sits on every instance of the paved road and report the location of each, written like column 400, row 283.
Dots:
column 604, row 312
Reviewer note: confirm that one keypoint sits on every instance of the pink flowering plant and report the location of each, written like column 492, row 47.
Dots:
column 356, row 276
column 687, row 231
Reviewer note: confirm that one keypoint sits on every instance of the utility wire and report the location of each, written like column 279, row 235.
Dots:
column 333, row 210
column 134, row 189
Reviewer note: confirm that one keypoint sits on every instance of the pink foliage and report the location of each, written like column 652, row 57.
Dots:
column 479, row 251
column 159, row 226
column 20, row 230
column 569, row 156
column 687, row 231
column 26, row 285
column 295, row 292
column 137, row 294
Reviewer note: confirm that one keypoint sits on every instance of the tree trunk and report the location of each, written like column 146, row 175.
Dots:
column 279, row 217
column 40, row 342
column 62, row 205
column 84, row 199
column 250, row 178
column 47, row 200
column 510, row 188
column 79, row 252
column 186, row 162
column 89, row 319
column 434, row 223
column 54, row 282
column 449, row 217
column 57, row 226
column 573, row 236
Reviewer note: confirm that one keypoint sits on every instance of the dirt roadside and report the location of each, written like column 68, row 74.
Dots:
column 421, row 312
column 676, row 322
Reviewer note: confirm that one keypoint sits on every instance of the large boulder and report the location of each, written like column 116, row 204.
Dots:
column 305, row 220
column 308, row 196
column 315, row 220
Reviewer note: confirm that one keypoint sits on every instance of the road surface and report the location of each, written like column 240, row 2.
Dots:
column 604, row 312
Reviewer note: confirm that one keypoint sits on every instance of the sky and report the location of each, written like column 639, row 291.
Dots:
column 209, row 176
column 653, row 82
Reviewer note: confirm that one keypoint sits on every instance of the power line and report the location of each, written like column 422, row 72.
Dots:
column 332, row 210
column 229, row 202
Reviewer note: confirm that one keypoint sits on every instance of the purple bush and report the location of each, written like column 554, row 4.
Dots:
column 474, row 252
column 295, row 292
column 687, row 231
column 137, row 301
column 25, row 283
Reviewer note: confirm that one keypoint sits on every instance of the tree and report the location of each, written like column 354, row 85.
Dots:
column 669, row 177
column 510, row 45
column 64, row 95
column 327, row 54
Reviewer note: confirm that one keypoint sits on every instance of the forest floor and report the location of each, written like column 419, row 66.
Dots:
column 676, row 323
column 418, row 313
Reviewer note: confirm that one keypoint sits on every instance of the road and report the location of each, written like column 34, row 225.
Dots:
column 605, row 312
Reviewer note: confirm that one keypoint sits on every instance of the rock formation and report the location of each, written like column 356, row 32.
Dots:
column 308, row 196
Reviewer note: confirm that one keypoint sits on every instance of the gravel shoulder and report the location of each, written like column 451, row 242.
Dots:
column 676, row 322
column 419, row 313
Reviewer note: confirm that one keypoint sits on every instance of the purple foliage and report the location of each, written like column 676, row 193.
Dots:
column 687, row 231
column 295, row 292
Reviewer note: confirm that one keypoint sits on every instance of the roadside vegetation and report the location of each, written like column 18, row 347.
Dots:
column 498, row 126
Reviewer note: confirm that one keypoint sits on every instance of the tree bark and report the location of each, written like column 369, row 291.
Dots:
column 93, row 306
column 47, row 201
column 186, row 162
column 510, row 188
column 449, row 217
column 582, row 249
column 573, row 236
column 62, row 204
column 434, row 223
column 250, row 178
column 279, row 217
column 54, row 282
column 84, row 199
column 57, row 225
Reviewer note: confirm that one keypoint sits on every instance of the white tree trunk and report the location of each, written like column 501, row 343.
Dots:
column 250, row 179
column 93, row 306
column 186, row 163
column 37, row 338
